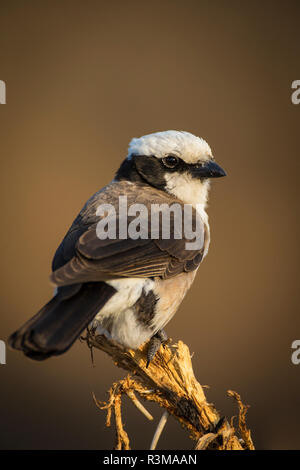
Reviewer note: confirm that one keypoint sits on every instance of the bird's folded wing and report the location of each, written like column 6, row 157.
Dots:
column 156, row 256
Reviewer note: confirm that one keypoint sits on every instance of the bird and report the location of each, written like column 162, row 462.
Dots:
column 128, row 288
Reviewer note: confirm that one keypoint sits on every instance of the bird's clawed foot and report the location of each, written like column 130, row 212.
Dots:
column 155, row 342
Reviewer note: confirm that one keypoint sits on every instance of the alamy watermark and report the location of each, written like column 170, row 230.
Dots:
column 2, row 352
column 2, row 92
column 295, row 358
column 295, row 96
column 157, row 221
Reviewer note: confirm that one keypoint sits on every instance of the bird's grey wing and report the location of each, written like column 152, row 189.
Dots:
column 86, row 218
column 99, row 260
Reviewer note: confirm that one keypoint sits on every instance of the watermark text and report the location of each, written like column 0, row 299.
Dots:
column 156, row 221
column 295, row 96
column 2, row 352
column 295, row 358
column 2, row 92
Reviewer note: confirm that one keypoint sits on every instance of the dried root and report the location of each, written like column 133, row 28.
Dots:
column 244, row 431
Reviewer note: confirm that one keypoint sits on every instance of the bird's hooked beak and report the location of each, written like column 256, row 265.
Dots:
column 209, row 169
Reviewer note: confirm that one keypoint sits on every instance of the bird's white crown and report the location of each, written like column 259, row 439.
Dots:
column 180, row 143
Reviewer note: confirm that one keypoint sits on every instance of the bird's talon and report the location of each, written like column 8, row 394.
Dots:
column 160, row 338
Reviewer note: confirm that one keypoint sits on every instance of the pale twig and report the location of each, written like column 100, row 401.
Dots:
column 159, row 430
column 138, row 404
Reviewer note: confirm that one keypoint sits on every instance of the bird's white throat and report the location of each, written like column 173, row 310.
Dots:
column 188, row 189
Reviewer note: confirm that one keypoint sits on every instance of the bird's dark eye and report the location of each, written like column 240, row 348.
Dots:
column 170, row 161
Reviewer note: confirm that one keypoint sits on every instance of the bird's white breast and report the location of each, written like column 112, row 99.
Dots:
column 119, row 313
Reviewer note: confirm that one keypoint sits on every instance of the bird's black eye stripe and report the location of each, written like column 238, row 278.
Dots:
column 171, row 161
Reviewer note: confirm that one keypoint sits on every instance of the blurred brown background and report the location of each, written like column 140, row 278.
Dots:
column 82, row 79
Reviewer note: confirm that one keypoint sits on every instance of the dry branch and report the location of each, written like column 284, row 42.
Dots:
column 169, row 381
column 159, row 430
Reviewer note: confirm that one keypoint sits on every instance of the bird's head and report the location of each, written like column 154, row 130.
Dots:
column 173, row 161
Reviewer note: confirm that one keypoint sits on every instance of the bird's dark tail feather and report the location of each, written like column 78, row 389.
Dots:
column 53, row 330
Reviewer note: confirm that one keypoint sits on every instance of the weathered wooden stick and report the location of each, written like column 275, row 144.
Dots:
column 169, row 381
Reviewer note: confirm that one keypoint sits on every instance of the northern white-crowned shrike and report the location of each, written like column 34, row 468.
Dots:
column 128, row 287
